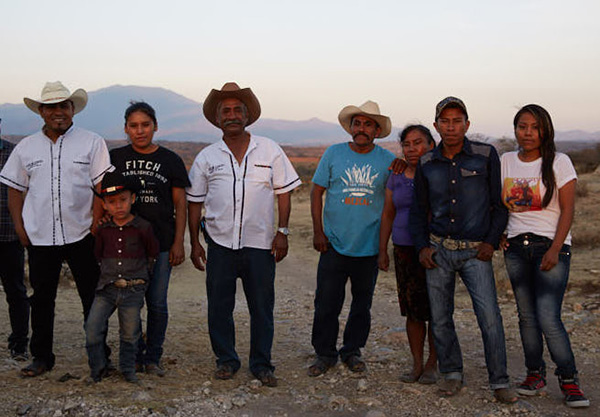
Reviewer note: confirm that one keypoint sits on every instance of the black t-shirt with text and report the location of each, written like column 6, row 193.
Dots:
column 159, row 172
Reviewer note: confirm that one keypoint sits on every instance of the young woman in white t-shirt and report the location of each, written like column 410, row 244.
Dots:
column 539, row 191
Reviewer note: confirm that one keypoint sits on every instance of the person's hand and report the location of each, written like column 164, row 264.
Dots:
column 485, row 252
column 383, row 260
column 95, row 224
column 320, row 242
column 398, row 166
column 550, row 259
column 23, row 237
column 176, row 254
column 426, row 258
column 504, row 242
column 279, row 247
column 198, row 256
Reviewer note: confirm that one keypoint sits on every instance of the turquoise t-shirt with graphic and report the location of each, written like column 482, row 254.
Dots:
column 354, row 198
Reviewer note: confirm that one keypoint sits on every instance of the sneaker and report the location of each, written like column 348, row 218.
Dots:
column 533, row 384
column 574, row 397
column 19, row 355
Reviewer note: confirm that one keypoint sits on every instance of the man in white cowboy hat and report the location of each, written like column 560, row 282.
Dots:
column 237, row 180
column 51, row 174
column 346, row 233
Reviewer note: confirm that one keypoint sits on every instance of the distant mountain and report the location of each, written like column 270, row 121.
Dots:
column 181, row 119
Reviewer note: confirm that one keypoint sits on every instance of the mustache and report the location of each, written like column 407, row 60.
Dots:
column 360, row 134
column 232, row 122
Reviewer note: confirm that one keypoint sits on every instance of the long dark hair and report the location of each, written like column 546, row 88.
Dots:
column 547, row 147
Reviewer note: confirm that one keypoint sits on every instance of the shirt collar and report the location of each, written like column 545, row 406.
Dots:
column 437, row 151
column 223, row 146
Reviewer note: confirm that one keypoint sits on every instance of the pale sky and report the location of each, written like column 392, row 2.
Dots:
column 310, row 58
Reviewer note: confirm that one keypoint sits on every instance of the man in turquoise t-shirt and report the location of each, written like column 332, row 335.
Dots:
column 346, row 233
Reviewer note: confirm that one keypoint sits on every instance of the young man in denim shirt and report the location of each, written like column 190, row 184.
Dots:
column 457, row 219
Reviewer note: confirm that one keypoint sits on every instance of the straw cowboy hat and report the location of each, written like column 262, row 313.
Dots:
column 231, row 90
column 369, row 109
column 55, row 92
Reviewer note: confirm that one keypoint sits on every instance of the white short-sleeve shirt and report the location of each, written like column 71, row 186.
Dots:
column 58, row 178
column 523, row 192
column 239, row 198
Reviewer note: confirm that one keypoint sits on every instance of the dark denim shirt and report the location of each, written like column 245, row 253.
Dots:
column 458, row 198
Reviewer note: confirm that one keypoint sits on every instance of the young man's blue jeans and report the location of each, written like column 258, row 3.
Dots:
column 539, row 296
column 256, row 268
column 332, row 274
column 151, row 350
column 478, row 277
column 128, row 302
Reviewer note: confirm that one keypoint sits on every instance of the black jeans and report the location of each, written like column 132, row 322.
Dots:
column 332, row 274
column 12, row 262
column 45, row 263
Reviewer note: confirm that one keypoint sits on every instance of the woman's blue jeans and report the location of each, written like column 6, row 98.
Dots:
column 151, row 350
column 539, row 295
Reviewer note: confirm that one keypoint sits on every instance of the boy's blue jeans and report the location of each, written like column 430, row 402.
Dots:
column 539, row 296
column 478, row 277
column 128, row 302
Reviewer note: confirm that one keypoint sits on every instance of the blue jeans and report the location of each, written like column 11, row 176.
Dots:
column 256, row 268
column 129, row 302
column 11, row 273
column 157, row 319
column 332, row 274
column 539, row 296
column 478, row 277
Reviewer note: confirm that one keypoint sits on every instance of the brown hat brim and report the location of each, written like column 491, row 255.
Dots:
column 245, row 95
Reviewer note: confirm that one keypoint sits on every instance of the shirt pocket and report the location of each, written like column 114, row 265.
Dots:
column 475, row 169
column 260, row 173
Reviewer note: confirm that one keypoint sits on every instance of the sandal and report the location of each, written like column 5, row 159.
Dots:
column 506, row 395
column 35, row 368
column 355, row 363
column 450, row 387
column 267, row 378
column 429, row 377
column 318, row 367
column 409, row 378
column 225, row 372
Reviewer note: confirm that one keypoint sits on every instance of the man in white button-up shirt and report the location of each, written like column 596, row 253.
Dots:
column 236, row 180
column 51, row 174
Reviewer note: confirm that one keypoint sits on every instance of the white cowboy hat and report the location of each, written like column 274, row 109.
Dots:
column 369, row 109
column 231, row 90
column 55, row 92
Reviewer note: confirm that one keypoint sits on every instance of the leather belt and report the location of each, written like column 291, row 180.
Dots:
column 452, row 244
column 125, row 283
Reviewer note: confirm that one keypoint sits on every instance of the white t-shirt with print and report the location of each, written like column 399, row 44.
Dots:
column 523, row 192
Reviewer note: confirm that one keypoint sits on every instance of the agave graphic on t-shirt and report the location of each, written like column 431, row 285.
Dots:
column 359, row 180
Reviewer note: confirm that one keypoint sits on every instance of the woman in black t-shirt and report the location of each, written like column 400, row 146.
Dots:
column 162, row 202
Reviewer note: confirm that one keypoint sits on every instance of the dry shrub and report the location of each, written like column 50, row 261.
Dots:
column 581, row 189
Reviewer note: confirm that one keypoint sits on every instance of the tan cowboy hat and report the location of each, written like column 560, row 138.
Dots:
column 369, row 109
column 55, row 92
column 231, row 90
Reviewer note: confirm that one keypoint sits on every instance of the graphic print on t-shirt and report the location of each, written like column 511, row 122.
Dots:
column 148, row 172
column 360, row 186
column 522, row 194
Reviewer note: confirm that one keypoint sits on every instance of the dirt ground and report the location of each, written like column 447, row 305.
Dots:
column 188, row 388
